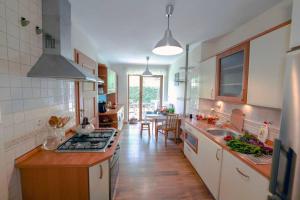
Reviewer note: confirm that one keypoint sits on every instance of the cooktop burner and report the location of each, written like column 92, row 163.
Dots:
column 96, row 141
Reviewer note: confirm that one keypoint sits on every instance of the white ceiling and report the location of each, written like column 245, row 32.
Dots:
column 125, row 31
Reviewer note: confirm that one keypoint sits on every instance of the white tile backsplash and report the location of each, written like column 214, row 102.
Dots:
column 2, row 25
column 3, row 66
column 3, row 52
column 25, row 103
column 13, row 43
column 13, row 55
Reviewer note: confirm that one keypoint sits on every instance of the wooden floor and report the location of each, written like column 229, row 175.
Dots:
column 150, row 171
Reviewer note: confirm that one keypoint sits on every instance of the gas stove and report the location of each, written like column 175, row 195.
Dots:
column 97, row 141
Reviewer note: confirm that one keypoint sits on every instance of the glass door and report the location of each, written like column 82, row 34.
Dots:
column 232, row 74
column 151, row 94
column 134, row 96
column 144, row 95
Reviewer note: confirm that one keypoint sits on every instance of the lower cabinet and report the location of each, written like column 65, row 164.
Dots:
column 226, row 176
column 240, row 182
column 210, row 163
column 99, row 181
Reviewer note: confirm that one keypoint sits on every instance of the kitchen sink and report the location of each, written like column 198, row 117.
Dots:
column 221, row 132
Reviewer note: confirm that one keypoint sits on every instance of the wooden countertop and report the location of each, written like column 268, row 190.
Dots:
column 264, row 170
column 40, row 158
column 111, row 111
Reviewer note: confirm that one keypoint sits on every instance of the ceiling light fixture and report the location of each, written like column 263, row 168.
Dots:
column 168, row 46
column 147, row 71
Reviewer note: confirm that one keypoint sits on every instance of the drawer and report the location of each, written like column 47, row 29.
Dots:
column 239, row 181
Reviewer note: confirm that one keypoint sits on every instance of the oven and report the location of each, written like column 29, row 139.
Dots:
column 192, row 141
column 114, row 171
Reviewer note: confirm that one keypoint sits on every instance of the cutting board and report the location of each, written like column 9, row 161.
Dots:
column 237, row 119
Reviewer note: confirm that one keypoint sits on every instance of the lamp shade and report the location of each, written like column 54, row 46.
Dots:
column 167, row 46
column 147, row 71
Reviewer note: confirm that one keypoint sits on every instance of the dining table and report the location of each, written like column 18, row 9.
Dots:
column 157, row 118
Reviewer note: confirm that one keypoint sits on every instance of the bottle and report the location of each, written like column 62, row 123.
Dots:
column 264, row 132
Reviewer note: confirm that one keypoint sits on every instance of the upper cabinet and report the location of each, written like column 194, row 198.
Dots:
column 266, row 68
column 194, row 90
column 232, row 74
column 111, row 81
column 207, row 79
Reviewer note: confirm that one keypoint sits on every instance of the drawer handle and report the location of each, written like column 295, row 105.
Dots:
column 217, row 154
column 101, row 171
column 241, row 173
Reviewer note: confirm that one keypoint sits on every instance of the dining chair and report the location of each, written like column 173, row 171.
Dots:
column 169, row 125
column 145, row 125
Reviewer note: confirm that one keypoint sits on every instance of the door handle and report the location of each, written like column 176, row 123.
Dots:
column 242, row 173
column 101, row 172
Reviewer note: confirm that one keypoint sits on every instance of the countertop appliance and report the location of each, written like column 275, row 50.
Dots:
column 102, row 107
column 285, row 175
column 97, row 141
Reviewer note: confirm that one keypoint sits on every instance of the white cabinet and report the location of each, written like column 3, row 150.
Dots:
column 99, row 181
column 194, row 91
column 266, row 68
column 207, row 78
column 239, row 181
column 210, row 162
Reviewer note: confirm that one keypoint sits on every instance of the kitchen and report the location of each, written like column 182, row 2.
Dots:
column 45, row 96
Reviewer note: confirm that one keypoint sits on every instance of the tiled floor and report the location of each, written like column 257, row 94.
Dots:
column 150, row 171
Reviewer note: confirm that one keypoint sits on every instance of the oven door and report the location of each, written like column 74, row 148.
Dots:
column 192, row 141
column 114, row 171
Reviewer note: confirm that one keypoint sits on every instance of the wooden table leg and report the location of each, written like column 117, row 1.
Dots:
column 153, row 122
column 156, row 132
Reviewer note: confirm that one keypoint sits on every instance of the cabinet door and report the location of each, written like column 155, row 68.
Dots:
column 210, row 160
column 194, row 91
column 207, row 79
column 99, row 181
column 239, row 181
column 111, row 81
column 232, row 74
column 266, row 68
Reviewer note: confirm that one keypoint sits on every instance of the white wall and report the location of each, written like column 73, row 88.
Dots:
column 27, row 103
column 80, row 41
column 276, row 15
column 123, row 70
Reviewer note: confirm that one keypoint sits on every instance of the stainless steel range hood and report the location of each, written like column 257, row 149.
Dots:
column 55, row 61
